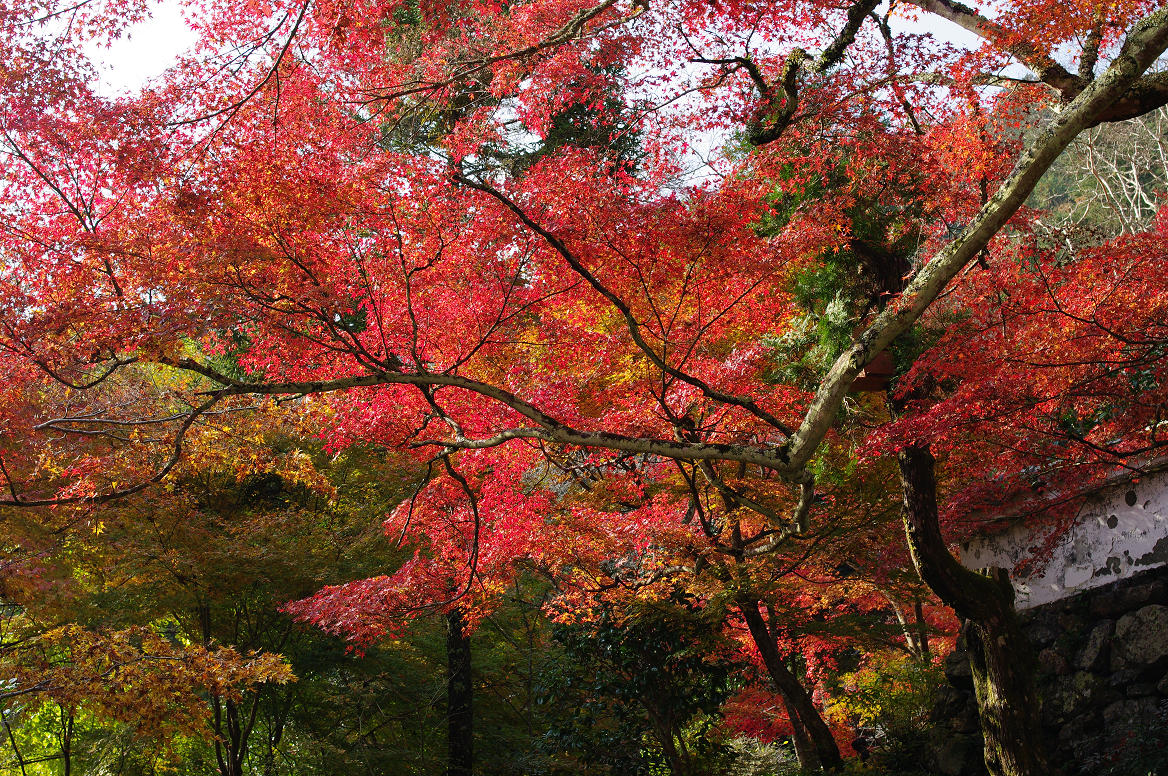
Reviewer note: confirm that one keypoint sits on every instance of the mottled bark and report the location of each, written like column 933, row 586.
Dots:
column 1001, row 658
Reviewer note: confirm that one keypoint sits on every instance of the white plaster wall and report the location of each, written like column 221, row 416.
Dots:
column 1109, row 540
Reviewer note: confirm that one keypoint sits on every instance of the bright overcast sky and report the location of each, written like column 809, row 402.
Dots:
column 146, row 50
column 150, row 47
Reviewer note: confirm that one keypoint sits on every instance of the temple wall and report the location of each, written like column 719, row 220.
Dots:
column 1119, row 533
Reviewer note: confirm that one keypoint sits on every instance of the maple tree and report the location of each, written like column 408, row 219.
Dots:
column 208, row 562
column 172, row 636
column 344, row 208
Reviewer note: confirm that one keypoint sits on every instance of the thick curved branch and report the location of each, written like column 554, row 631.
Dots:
column 116, row 364
column 1089, row 57
column 1040, row 62
column 1142, row 95
column 782, row 98
column 733, row 498
column 1145, row 95
column 798, row 525
column 1146, row 42
column 468, row 443
column 549, row 428
column 834, row 52
column 769, row 127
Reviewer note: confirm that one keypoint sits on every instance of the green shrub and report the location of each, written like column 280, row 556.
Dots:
column 890, row 701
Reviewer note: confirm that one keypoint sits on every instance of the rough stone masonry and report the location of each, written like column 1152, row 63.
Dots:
column 1096, row 614
column 1102, row 678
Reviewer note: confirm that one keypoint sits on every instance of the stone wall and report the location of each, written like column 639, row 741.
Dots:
column 1102, row 676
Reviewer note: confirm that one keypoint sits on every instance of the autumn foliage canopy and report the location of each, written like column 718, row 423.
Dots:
column 605, row 271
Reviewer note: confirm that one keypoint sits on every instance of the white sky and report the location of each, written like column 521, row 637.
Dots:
column 150, row 47
column 146, row 50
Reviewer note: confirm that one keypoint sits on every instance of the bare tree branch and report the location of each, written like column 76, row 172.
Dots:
column 550, row 429
column 176, row 454
column 1139, row 96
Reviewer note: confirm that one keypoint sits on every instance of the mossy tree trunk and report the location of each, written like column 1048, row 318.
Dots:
column 1000, row 655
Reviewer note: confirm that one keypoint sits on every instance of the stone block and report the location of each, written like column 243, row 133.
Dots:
column 966, row 722
column 957, row 670
column 1078, row 740
column 1130, row 598
column 1079, row 728
column 1095, row 653
column 1042, row 634
column 1159, row 592
column 948, row 702
column 1122, row 718
column 957, row 756
column 1105, row 603
column 1141, row 639
column 1140, row 690
column 1070, row 621
column 1073, row 696
column 1120, row 680
column 1051, row 662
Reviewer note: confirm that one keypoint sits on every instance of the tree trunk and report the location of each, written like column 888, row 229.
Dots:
column 819, row 747
column 459, row 694
column 66, row 742
column 663, row 729
column 916, row 640
column 804, row 750
column 1001, row 658
column 926, row 652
